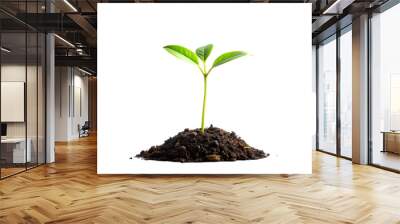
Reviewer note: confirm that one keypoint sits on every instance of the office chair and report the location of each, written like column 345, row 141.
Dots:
column 84, row 130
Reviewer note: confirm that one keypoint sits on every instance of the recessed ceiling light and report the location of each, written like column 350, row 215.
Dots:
column 84, row 71
column 338, row 6
column 64, row 40
column 70, row 5
column 5, row 50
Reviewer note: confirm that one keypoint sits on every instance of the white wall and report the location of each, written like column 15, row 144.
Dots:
column 62, row 81
column 16, row 72
column 71, row 102
column 80, row 109
column 12, row 73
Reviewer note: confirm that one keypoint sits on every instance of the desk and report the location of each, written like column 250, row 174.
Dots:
column 391, row 141
column 13, row 150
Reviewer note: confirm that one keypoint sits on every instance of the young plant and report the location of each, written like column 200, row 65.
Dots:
column 199, row 59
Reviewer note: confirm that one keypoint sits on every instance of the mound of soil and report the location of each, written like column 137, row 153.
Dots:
column 214, row 144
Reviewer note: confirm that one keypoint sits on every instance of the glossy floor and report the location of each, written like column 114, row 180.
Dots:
column 5, row 172
column 70, row 191
column 387, row 159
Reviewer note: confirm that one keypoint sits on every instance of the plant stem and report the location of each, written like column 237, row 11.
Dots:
column 204, row 104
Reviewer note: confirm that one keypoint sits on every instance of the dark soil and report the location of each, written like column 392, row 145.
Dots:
column 212, row 146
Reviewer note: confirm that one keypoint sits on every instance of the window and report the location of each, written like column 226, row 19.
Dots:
column 327, row 96
column 346, row 93
column 385, row 89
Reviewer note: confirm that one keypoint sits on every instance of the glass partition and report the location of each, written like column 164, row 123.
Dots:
column 22, row 91
column 14, row 153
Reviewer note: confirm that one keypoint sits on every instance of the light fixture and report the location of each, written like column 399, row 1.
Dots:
column 84, row 71
column 64, row 40
column 5, row 50
column 337, row 7
column 79, row 51
column 70, row 5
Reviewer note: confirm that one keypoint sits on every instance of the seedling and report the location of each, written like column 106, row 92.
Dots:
column 199, row 59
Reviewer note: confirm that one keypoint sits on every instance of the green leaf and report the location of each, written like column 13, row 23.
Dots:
column 204, row 52
column 182, row 53
column 228, row 56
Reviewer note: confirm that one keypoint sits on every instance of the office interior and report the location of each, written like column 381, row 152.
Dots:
column 45, row 89
column 36, row 46
column 49, row 95
column 335, row 74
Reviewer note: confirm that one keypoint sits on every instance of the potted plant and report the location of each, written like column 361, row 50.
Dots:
column 204, row 144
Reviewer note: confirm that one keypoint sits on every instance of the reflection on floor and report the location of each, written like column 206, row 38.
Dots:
column 10, row 169
column 387, row 159
column 346, row 152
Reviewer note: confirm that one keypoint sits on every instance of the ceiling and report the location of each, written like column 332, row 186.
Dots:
column 76, row 21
